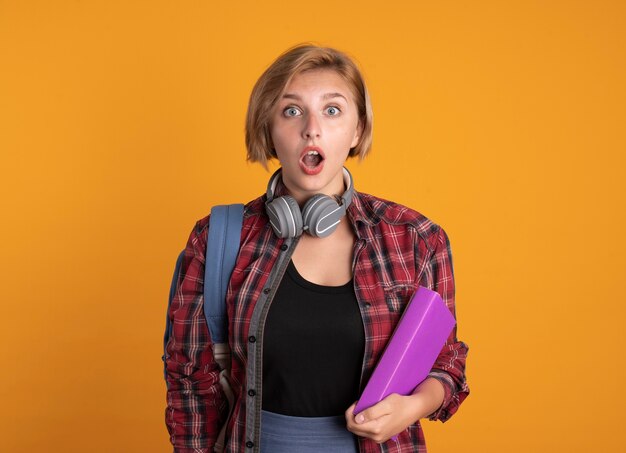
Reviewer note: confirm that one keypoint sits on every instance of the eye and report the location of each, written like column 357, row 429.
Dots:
column 333, row 111
column 291, row 111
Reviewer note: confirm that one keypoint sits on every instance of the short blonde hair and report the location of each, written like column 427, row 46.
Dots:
column 272, row 83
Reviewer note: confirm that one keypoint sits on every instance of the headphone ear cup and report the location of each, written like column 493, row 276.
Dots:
column 285, row 217
column 321, row 214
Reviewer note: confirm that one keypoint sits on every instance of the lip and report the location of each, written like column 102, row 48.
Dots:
column 309, row 170
column 312, row 148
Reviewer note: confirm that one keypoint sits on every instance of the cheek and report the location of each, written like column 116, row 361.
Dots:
column 281, row 144
column 275, row 127
column 348, row 135
column 275, row 134
column 284, row 133
column 278, row 139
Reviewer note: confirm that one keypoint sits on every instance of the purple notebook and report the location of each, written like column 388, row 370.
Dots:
column 412, row 349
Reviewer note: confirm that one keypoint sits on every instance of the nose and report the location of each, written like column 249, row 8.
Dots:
column 311, row 129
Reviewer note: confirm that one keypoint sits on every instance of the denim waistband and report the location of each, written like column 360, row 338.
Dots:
column 286, row 434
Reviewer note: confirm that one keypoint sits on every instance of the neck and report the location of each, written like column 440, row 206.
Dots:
column 302, row 197
column 334, row 189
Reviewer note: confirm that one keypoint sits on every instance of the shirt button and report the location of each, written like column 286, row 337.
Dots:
column 250, row 444
column 252, row 339
column 251, row 392
column 266, row 290
column 284, row 247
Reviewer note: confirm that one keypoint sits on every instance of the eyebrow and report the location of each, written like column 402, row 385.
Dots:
column 324, row 97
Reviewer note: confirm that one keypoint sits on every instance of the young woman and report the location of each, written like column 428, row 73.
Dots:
column 322, row 277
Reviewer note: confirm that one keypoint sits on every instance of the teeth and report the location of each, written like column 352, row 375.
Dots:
column 313, row 153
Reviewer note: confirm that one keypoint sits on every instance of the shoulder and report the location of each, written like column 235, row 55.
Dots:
column 385, row 215
column 254, row 217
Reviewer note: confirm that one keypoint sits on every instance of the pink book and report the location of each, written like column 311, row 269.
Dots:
column 412, row 349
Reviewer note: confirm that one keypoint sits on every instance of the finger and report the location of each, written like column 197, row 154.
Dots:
column 372, row 430
column 363, row 430
column 349, row 414
column 376, row 411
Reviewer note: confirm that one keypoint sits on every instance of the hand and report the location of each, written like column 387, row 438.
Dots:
column 383, row 420
column 396, row 412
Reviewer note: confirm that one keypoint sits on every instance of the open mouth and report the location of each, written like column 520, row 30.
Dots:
column 312, row 159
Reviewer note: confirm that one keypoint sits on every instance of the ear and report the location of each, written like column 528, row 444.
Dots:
column 357, row 134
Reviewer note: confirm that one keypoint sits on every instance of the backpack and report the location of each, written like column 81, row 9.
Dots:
column 221, row 254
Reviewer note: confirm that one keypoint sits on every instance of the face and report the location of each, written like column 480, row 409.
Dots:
column 313, row 127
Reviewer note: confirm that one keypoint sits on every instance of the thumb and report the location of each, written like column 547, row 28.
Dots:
column 358, row 418
column 364, row 416
column 374, row 412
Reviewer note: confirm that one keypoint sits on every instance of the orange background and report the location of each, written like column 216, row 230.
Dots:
column 121, row 124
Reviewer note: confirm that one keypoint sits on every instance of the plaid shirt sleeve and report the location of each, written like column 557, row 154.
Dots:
column 195, row 399
column 449, row 368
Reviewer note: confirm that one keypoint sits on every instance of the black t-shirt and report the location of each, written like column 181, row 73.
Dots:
column 312, row 348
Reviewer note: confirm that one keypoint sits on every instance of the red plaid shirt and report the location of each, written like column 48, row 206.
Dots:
column 396, row 250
